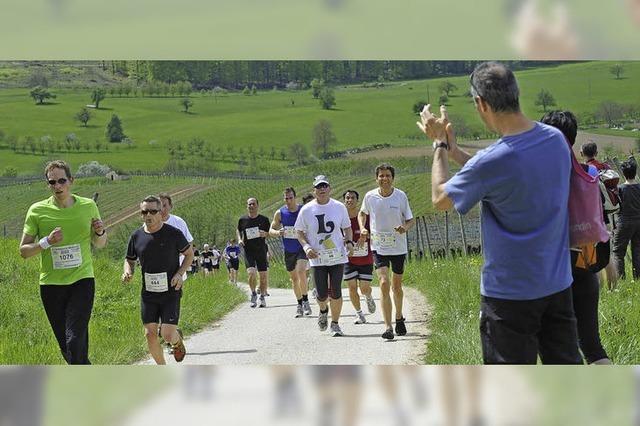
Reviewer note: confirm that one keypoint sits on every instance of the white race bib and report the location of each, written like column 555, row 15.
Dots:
column 361, row 251
column 253, row 233
column 156, row 283
column 330, row 256
column 290, row 232
column 233, row 254
column 385, row 239
column 66, row 257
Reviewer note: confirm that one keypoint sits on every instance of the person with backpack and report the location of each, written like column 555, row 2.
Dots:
column 609, row 180
column 628, row 221
column 585, row 261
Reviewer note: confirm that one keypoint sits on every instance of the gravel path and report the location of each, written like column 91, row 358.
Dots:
column 271, row 335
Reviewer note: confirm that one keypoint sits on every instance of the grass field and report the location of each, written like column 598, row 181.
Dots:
column 362, row 116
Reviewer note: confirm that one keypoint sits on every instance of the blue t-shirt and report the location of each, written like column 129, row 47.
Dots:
column 522, row 182
column 233, row 252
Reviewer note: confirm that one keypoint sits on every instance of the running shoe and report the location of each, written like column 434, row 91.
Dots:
column 371, row 304
column 169, row 345
column 179, row 351
column 401, row 330
column 299, row 312
column 314, row 293
column 323, row 321
column 360, row 318
column 263, row 303
column 388, row 335
column 306, row 307
column 335, row 330
column 254, row 299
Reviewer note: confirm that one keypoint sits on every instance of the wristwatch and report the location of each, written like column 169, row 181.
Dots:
column 440, row 144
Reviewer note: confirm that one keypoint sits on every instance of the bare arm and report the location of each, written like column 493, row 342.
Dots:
column 128, row 268
column 30, row 247
column 276, row 225
column 99, row 236
column 302, row 239
column 439, row 177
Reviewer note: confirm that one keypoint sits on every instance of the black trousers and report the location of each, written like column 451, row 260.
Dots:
column 328, row 281
column 68, row 308
column 517, row 331
column 586, row 295
column 627, row 232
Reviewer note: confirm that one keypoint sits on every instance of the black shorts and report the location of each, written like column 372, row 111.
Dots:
column 216, row 266
column 233, row 264
column 256, row 260
column 207, row 266
column 517, row 331
column 396, row 261
column 360, row 272
column 328, row 279
column 291, row 259
column 161, row 308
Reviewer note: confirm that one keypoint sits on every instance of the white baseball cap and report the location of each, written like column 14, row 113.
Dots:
column 320, row 179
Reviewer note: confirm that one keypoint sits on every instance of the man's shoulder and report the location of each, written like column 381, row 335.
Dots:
column 176, row 220
column 371, row 193
column 42, row 204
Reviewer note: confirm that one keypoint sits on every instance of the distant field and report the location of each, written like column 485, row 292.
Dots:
column 361, row 116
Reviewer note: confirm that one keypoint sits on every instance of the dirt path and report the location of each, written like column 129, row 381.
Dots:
column 268, row 336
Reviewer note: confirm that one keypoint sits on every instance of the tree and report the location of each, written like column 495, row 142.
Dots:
column 254, row 90
column 114, row 130
column 299, row 153
column 418, row 106
column 246, row 91
column 323, row 138
column 97, row 95
column 327, row 98
column 544, row 99
column 83, row 116
column 186, row 103
column 447, row 87
column 617, row 70
column 316, row 87
column 40, row 94
column 610, row 112
column 92, row 168
column 217, row 91
column 10, row 172
column 443, row 99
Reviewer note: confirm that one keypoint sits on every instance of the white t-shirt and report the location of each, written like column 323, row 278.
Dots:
column 386, row 214
column 323, row 225
column 178, row 222
column 215, row 257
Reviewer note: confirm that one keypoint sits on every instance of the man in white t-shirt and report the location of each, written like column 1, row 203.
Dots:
column 324, row 231
column 390, row 218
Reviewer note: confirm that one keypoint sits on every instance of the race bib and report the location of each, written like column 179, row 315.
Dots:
column 156, row 283
column 233, row 255
column 361, row 251
column 253, row 233
column 207, row 260
column 290, row 232
column 66, row 257
column 385, row 239
column 330, row 256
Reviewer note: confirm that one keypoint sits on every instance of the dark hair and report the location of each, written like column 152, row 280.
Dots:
column 386, row 166
column 629, row 169
column 307, row 198
column 589, row 149
column 253, row 198
column 152, row 199
column 353, row 191
column 290, row 189
column 165, row 196
column 57, row 164
column 564, row 121
column 496, row 85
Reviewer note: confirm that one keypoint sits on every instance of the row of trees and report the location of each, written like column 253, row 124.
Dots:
column 266, row 74
column 49, row 145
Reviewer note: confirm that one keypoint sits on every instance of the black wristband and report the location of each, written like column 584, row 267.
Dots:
column 100, row 235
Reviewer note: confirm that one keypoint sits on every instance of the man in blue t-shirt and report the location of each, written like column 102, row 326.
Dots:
column 522, row 183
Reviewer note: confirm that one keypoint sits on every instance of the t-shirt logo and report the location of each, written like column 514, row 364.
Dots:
column 330, row 226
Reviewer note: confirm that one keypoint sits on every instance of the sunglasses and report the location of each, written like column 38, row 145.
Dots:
column 61, row 181
column 322, row 186
column 146, row 212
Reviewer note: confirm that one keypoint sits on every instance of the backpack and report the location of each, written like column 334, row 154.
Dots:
column 608, row 182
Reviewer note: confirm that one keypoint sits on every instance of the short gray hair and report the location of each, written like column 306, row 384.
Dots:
column 152, row 199
column 497, row 86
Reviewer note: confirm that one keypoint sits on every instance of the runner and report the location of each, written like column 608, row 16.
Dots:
column 320, row 225
column 310, row 283
column 253, row 229
column 359, row 270
column 232, row 255
column 207, row 260
column 157, row 246
column 388, row 209
column 62, row 229
column 173, row 220
column 195, row 262
column 294, row 257
column 215, row 259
